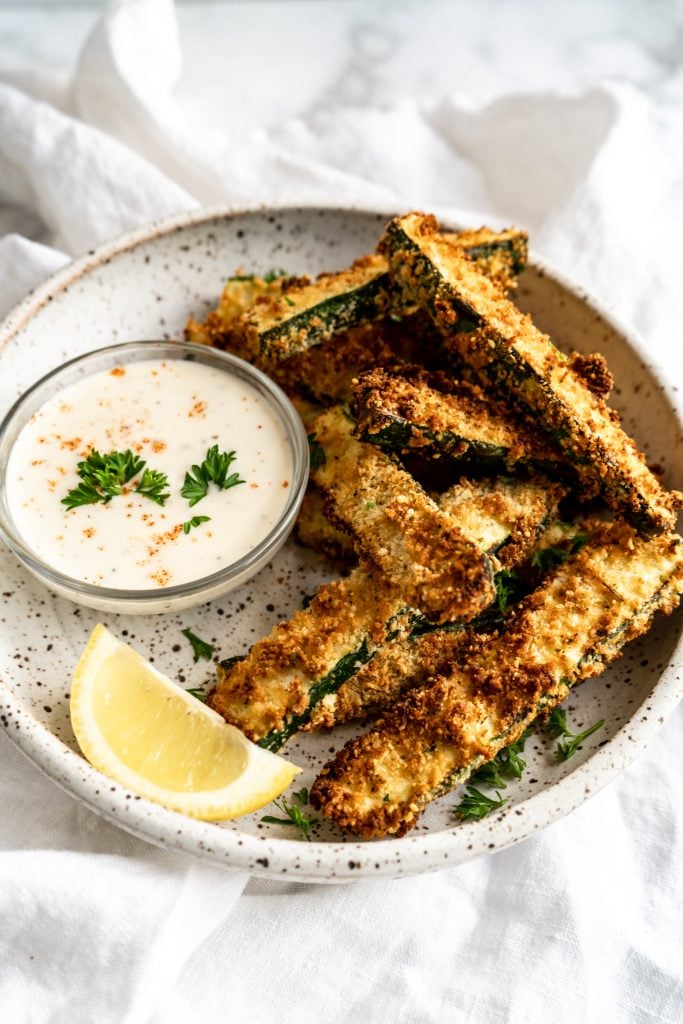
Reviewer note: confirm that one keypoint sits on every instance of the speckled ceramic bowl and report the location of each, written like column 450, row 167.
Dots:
column 146, row 285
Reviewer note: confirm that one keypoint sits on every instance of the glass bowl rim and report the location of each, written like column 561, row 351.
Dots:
column 256, row 557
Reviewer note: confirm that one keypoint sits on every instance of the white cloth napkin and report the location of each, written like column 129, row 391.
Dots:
column 581, row 923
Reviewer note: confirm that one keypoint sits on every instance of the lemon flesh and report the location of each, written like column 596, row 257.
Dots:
column 142, row 730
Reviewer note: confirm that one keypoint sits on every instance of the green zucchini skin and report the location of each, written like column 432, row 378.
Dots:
column 406, row 410
column 514, row 248
column 320, row 310
column 574, row 624
column 501, row 255
column 309, row 314
column 504, row 516
column 399, row 436
column 271, row 692
column 346, row 667
column 509, row 354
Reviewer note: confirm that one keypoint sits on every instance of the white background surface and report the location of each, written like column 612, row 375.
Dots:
column 582, row 923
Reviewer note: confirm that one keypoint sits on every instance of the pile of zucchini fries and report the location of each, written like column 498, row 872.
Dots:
column 501, row 536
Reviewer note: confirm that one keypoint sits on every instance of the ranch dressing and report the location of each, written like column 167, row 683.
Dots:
column 169, row 413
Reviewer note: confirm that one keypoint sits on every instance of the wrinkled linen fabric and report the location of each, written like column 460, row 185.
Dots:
column 580, row 923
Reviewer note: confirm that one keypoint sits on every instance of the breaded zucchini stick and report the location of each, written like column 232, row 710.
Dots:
column 509, row 353
column 408, row 410
column 311, row 313
column 277, row 688
column 570, row 628
column 504, row 516
column 405, row 662
column 241, row 292
column 270, row 693
column 401, row 664
column 397, row 527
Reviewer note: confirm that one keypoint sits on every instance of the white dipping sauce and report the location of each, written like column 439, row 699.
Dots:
column 168, row 412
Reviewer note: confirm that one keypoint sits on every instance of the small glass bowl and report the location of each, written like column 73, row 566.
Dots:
column 167, row 599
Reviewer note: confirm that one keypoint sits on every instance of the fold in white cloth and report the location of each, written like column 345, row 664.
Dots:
column 578, row 924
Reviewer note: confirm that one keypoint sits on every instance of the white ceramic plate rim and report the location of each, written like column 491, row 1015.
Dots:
column 269, row 856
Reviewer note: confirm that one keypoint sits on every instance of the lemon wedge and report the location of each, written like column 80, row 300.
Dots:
column 142, row 730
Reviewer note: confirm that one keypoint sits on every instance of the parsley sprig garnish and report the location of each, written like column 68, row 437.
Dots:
column 200, row 647
column 477, row 805
column 512, row 764
column 273, row 275
column 507, row 764
column 557, row 726
column 489, row 775
column 195, row 521
column 152, row 486
column 110, row 472
column 214, row 469
column 84, row 494
column 197, row 692
column 293, row 813
column 103, row 477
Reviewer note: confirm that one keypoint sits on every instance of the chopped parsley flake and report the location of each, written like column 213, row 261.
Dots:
column 195, row 521
column 293, row 813
column 477, row 805
column 557, row 726
column 200, row 647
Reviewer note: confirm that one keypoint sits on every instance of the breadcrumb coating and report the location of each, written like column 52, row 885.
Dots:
column 400, row 634
column 406, row 409
column 397, row 527
column 569, row 628
column 514, row 358
column 269, row 693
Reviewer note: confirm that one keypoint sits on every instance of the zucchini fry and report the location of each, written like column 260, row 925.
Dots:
column 310, row 313
column 570, row 628
column 510, row 354
column 270, row 693
column 240, row 293
column 405, row 662
column 505, row 516
column 411, row 411
column 313, row 313
column 401, row 664
column 398, row 528
column 290, row 677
